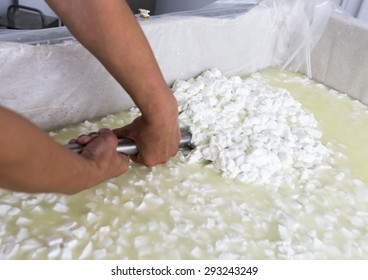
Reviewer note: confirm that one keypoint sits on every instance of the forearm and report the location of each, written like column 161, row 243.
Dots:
column 31, row 161
column 111, row 32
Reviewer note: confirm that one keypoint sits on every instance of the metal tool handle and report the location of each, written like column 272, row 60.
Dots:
column 128, row 147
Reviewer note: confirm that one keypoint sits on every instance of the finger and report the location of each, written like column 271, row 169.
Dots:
column 140, row 160
column 134, row 158
column 93, row 135
column 123, row 163
column 97, row 145
column 73, row 141
column 105, row 131
column 124, row 158
column 108, row 135
column 149, row 162
column 124, row 132
column 83, row 139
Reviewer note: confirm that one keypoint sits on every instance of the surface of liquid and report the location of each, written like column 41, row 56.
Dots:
column 188, row 211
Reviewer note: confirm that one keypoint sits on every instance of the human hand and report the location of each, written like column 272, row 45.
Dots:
column 100, row 149
column 157, row 139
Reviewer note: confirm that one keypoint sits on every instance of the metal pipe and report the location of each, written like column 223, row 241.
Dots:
column 128, row 147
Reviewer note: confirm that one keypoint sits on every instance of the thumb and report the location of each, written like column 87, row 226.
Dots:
column 124, row 132
column 97, row 145
column 128, row 132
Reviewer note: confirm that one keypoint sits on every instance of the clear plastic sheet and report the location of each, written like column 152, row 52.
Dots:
column 306, row 33
column 257, row 34
column 339, row 10
column 62, row 83
column 303, row 36
column 218, row 9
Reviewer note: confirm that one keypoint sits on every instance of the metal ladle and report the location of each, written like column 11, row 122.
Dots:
column 128, row 147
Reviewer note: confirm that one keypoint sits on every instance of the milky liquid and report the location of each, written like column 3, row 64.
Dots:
column 342, row 120
column 190, row 211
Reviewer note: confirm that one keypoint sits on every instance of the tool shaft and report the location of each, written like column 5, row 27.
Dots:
column 128, row 147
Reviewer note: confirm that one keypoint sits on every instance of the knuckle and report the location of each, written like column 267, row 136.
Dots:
column 110, row 138
column 150, row 163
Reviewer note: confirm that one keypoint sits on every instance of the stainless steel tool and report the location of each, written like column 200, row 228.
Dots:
column 128, row 147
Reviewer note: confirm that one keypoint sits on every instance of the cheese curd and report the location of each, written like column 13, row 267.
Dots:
column 278, row 172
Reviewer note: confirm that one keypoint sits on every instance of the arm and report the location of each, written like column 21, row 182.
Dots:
column 110, row 31
column 31, row 161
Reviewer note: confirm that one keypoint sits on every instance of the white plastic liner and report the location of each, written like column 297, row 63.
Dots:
column 56, row 85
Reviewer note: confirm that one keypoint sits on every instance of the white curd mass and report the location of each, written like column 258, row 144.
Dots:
column 250, row 130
